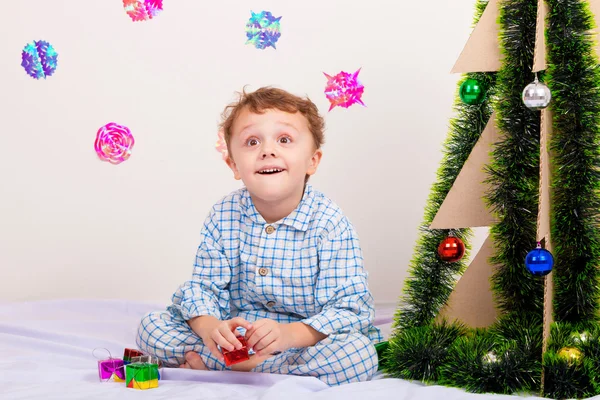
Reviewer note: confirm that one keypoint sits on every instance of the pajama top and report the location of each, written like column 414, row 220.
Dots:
column 306, row 267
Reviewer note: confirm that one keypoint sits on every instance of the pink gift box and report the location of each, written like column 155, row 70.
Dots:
column 112, row 369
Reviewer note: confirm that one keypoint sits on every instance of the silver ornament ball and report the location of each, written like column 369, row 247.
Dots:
column 536, row 96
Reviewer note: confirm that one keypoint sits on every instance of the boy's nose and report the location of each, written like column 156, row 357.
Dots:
column 266, row 154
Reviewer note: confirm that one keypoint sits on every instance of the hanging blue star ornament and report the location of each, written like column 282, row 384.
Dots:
column 262, row 30
column 539, row 261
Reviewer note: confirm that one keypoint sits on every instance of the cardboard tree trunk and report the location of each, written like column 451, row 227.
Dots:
column 543, row 220
column 539, row 51
column 595, row 9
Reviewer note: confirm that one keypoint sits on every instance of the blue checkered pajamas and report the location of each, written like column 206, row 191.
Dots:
column 307, row 267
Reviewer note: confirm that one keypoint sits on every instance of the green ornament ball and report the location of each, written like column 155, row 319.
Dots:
column 472, row 92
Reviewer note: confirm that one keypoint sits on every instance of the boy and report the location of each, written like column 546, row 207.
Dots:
column 278, row 262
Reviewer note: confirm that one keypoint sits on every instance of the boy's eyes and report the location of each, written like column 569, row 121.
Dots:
column 283, row 140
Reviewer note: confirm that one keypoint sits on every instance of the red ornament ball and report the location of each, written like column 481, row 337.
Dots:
column 451, row 249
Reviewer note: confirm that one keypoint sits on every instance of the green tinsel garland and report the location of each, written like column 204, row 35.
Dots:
column 504, row 358
column 515, row 168
column 574, row 83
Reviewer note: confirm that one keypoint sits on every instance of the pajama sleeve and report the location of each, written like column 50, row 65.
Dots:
column 206, row 293
column 341, row 291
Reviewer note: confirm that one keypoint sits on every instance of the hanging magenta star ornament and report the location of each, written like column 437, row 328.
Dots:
column 344, row 89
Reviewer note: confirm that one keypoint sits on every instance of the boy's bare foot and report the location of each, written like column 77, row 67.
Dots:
column 248, row 365
column 193, row 361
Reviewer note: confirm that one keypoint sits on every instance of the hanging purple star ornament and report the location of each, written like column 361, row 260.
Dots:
column 344, row 89
column 39, row 59
column 262, row 30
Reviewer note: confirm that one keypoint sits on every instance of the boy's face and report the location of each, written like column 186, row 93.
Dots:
column 272, row 153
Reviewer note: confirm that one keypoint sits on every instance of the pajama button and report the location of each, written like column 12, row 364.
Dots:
column 270, row 304
column 263, row 271
column 270, row 229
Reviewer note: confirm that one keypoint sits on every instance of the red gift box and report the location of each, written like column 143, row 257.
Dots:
column 129, row 354
column 236, row 356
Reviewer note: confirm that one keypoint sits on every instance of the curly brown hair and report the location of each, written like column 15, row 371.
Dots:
column 269, row 98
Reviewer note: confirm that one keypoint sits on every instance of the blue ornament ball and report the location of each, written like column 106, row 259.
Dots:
column 539, row 261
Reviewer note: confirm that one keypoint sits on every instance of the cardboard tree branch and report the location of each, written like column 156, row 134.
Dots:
column 472, row 301
column 464, row 206
column 482, row 51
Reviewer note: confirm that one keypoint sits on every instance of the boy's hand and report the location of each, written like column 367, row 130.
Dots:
column 267, row 336
column 215, row 332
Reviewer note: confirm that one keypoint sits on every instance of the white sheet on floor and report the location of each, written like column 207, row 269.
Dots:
column 46, row 352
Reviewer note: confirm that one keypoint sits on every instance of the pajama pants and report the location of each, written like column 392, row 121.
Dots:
column 339, row 358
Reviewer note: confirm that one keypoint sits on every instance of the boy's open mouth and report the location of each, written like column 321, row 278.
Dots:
column 270, row 171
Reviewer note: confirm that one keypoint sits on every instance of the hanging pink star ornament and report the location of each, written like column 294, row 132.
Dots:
column 221, row 146
column 344, row 89
column 142, row 10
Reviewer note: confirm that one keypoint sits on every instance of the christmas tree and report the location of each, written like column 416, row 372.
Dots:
column 521, row 157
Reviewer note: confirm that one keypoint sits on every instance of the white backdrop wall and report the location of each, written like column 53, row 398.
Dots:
column 74, row 226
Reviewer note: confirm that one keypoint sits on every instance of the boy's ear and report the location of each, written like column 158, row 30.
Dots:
column 231, row 164
column 314, row 162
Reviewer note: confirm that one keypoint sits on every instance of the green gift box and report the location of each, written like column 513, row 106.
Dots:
column 141, row 376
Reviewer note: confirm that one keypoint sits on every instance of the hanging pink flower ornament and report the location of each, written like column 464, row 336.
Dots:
column 114, row 143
